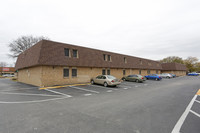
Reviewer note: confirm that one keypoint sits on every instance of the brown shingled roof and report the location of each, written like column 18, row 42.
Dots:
column 52, row 53
column 174, row 66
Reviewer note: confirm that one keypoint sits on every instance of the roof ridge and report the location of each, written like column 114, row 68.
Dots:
column 101, row 50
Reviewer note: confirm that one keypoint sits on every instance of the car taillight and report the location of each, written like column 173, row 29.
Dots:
column 159, row 76
column 112, row 81
column 142, row 78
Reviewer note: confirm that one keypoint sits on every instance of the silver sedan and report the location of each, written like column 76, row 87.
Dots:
column 166, row 75
column 106, row 80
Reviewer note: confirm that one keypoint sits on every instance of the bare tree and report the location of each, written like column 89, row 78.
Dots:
column 23, row 43
column 2, row 64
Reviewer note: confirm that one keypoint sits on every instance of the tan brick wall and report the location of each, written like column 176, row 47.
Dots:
column 54, row 76
column 30, row 76
column 49, row 75
column 178, row 73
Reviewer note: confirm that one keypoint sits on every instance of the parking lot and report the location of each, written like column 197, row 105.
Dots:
column 152, row 106
column 14, row 92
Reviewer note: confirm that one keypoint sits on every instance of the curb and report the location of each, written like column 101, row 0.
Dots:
column 56, row 87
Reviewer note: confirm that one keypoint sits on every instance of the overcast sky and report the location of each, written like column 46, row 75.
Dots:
column 152, row 29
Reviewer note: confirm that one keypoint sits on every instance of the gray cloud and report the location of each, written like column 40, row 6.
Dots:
column 150, row 29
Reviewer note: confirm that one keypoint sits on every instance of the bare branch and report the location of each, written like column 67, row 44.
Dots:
column 23, row 43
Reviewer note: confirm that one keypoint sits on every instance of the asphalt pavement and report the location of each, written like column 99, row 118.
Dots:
column 150, row 107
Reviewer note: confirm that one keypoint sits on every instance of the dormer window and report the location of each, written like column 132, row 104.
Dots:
column 140, row 62
column 125, row 60
column 67, row 52
column 109, row 58
column 75, row 53
column 104, row 57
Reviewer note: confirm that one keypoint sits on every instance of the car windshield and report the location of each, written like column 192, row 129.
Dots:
column 110, row 77
column 139, row 76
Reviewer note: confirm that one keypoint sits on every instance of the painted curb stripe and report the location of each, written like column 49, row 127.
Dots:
column 55, row 87
column 198, row 92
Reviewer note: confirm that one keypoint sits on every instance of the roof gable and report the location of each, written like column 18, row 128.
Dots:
column 30, row 57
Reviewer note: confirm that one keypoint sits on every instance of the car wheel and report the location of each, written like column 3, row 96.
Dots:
column 168, row 77
column 123, row 79
column 156, row 79
column 105, row 84
column 137, row 80
column 92, row 82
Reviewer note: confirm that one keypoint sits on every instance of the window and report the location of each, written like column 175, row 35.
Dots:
column 104, row 57
column 99, row 77
column 109, row 58
column 65, row 72
column 140, row 62
column 124, row 72
column 149, row 64
column 140, row 72
column 74, row 72
column 103, row 77
column 125, row 61
column 67, row 52
column 75, row 53
column 103, row 72
column 156, row 71
column 148, row 71
column 108, row 72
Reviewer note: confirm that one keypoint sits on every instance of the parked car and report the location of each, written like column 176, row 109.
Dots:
column 165, row 75
column 193, row 74
column 106, row 80
column 136, row 78
column 8, row 75
column 173, row 75
column 153, row 76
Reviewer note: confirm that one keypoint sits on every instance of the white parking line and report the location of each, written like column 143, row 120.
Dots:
column 87, row 94
column 197, row 101
column 125, row 86
column 35, row 101
column 19, row 89
column 109, row 91
column 195, row 113
column 102, row 87
column 78, row 88
column 27, row 94
column 58, row 93
column 181, row 120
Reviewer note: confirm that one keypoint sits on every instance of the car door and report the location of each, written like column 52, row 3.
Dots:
column 128, row 78
column 134, row 77
column 97, row 80
column 154, row 76
column 103, row 79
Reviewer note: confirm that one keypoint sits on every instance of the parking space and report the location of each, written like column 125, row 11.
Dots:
column 131, row 103
column 14, row 92
column 190, row 119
